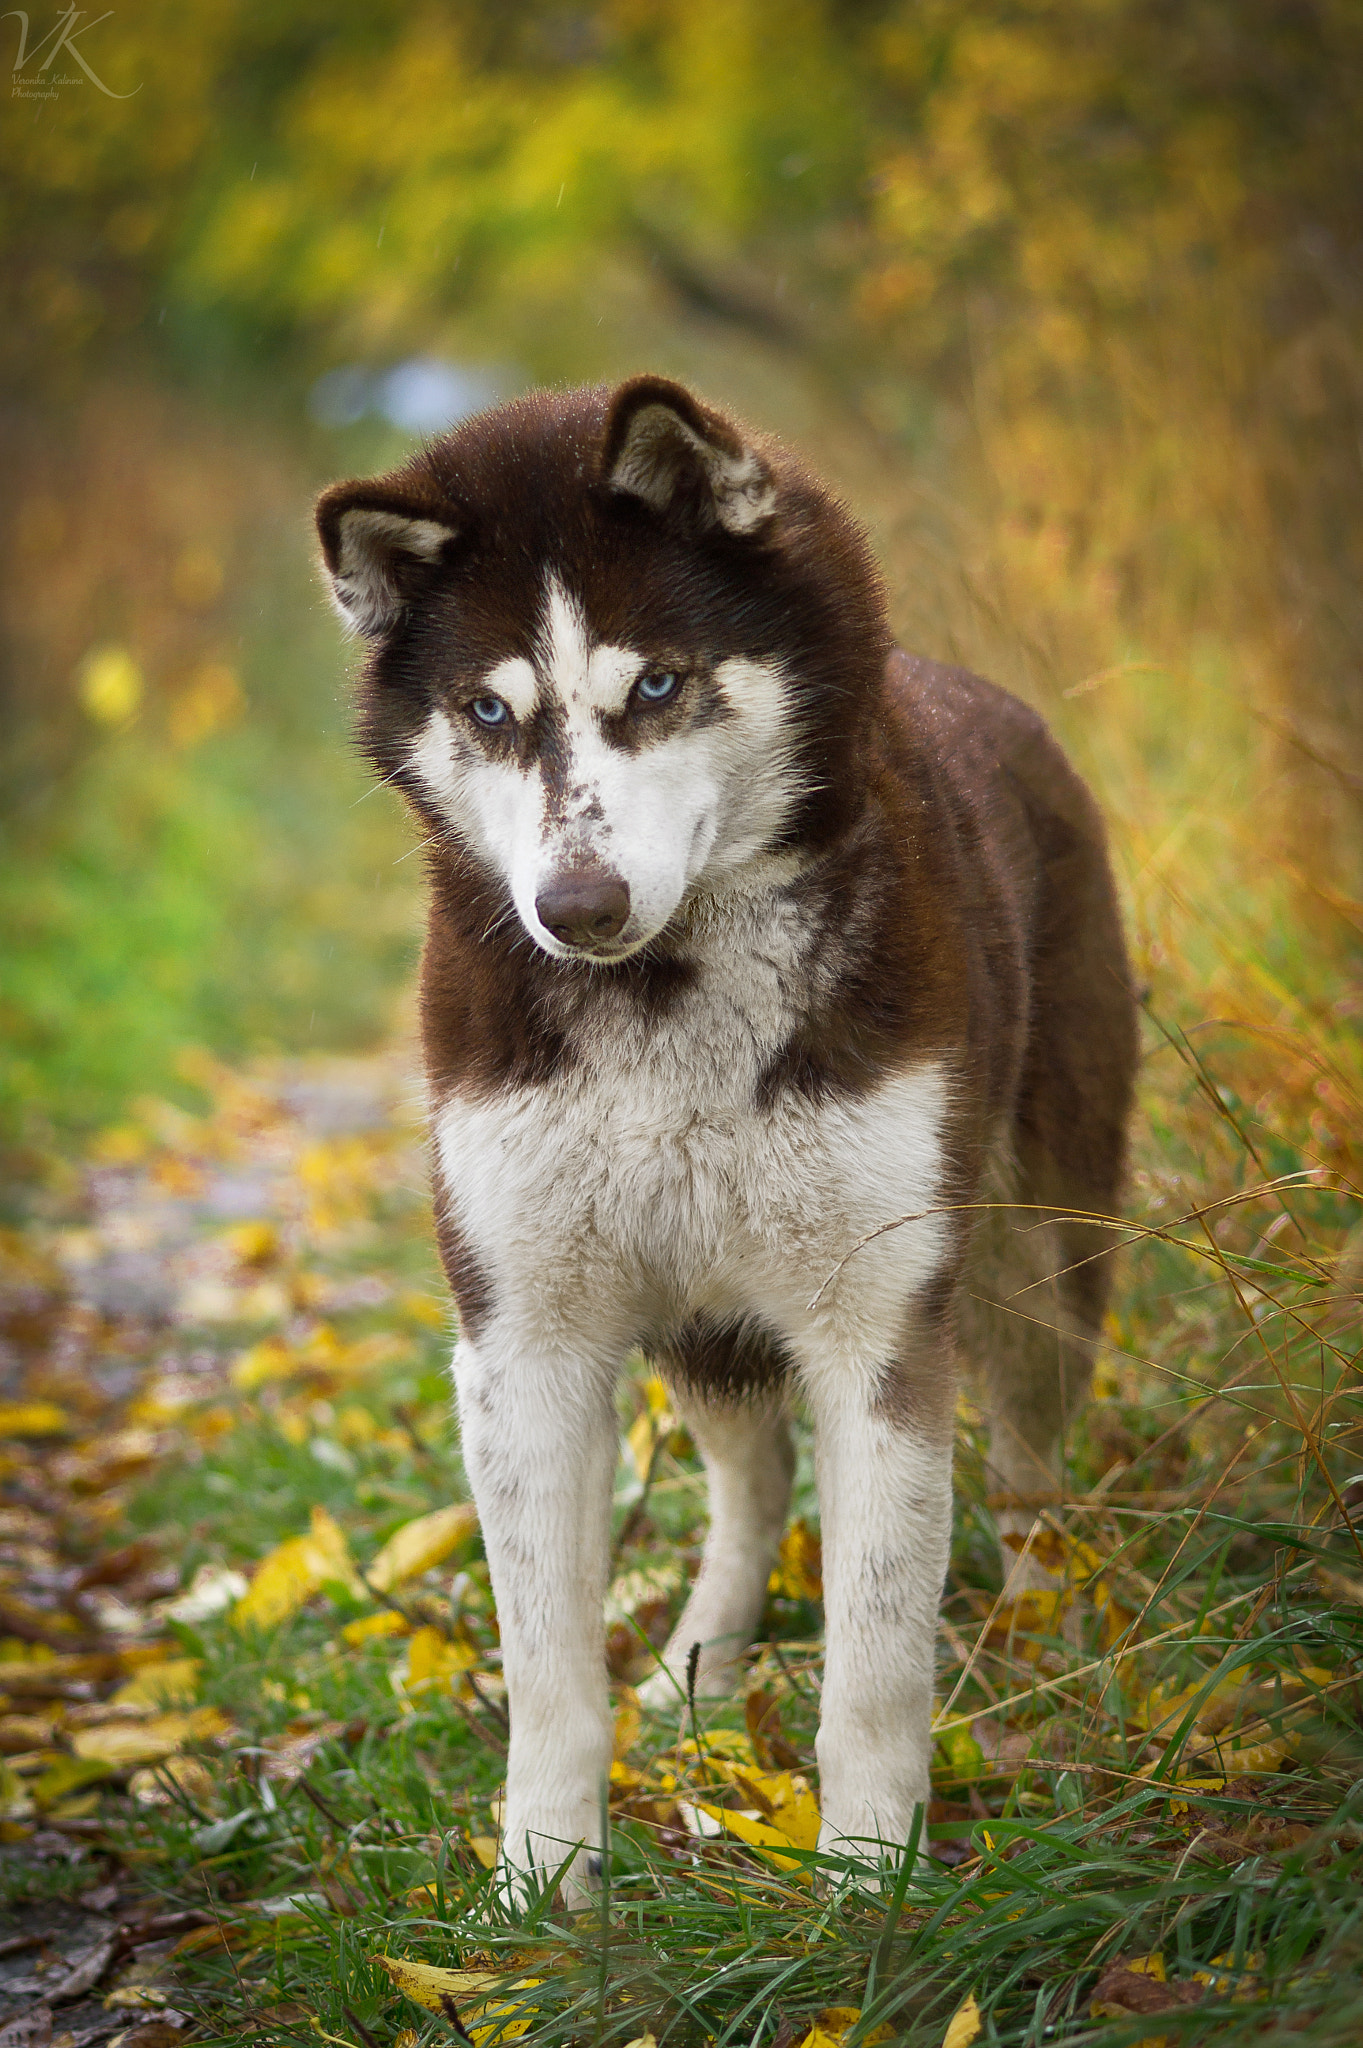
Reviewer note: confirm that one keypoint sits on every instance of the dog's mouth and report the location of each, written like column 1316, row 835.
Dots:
column 605, row 953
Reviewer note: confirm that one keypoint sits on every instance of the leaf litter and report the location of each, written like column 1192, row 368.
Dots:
column 252, row 1722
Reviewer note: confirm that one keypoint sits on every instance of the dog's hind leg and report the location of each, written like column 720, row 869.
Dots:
column 1029, row 1353
column 749, row 1461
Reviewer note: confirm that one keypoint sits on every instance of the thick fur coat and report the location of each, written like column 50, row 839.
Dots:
column 750, row 936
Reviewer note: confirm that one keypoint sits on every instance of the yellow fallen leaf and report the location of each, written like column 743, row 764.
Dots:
column 63, row 1776
column 464, row 1995
column 121, row 1744
column 1221, row 1976
column 1345, row 1588
column 730, row 1743
column 294, row 1571
column 782, row 1797
column 149, row 1788
column 643, row 2041
column 1147, row 1966
column 798, row 1572
column 33, row 1418
column 1256, row 1757
column 965, row 2025
column 964, row 1756
column 485, row 1849
column 659, row 1400
column 418, row 1545
column 1067, row 1555
column 172, row 1684
column 432, row 1662
column 387, row 1622
column 641, row 1437
column 835, row 2022
column 1195, row 1772
column 628, row 1721
column 758, row 1834
column 1034, row 1613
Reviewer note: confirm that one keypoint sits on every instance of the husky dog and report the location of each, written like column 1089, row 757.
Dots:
column 750, row 936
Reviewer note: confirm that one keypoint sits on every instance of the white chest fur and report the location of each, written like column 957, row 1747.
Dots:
column 648, row 1181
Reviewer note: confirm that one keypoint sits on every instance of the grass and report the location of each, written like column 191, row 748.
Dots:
column 1166, row 1765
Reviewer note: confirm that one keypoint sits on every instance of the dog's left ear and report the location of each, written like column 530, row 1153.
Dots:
column 665, row 447
column 379, row 542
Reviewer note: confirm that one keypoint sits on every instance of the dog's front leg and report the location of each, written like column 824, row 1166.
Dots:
column 539, row 1443
column 882, row 1441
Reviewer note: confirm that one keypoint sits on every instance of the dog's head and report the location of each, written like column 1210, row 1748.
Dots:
column 619, row 650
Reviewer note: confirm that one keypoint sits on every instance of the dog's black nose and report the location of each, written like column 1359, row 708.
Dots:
column 584, row 907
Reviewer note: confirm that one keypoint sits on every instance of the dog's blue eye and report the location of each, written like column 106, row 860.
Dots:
column 490, row 711
column 656, row 689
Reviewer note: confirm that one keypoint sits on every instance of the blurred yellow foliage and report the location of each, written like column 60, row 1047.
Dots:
column 111, row 685
column 798, row 1571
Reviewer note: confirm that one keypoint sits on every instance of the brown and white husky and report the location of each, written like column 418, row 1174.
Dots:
column 749, row 934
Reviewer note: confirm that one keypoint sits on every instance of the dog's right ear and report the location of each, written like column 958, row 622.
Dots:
column 379, row 541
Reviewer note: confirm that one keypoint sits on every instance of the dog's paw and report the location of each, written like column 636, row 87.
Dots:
column 868, row 1865
column 550, row 1864
column 664, row 1691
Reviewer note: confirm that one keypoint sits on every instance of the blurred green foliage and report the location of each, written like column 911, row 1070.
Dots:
column 1066, row 294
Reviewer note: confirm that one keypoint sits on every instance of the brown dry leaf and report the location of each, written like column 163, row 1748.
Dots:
column 294, row 1571
column 1137, row 1984
column 420, row 1544
column 762, row 1713
column 19, row 1732
column 99, row 1464
column 290, row 1754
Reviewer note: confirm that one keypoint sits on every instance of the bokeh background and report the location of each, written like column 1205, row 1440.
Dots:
column 1066, row 296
